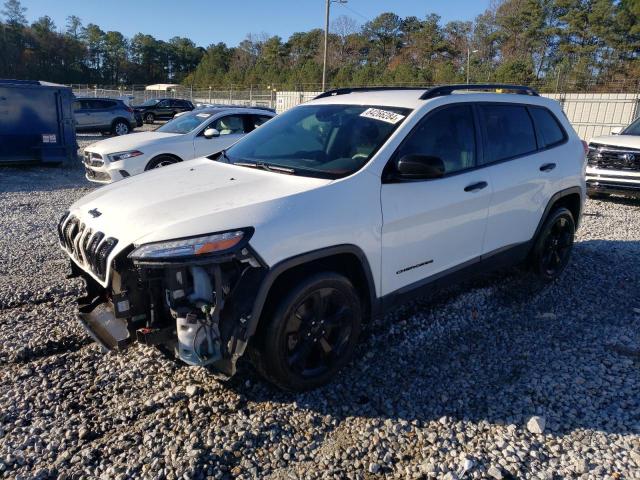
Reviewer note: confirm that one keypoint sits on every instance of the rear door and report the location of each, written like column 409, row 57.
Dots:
column 435, row 226
column 521, row 175
column 103, row 112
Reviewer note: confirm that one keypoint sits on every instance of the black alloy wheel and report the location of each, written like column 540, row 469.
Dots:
column 555, row 242
column 312, row 333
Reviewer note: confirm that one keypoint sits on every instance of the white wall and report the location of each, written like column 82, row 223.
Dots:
column 591, row 114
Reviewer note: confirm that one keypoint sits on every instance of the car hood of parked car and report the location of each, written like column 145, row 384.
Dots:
column 132, row 141
column 189, row 198
column 624, row 141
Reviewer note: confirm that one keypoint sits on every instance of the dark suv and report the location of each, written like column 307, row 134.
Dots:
column 162, row 108
column 106, row 115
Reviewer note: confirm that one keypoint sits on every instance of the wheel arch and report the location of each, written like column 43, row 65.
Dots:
column 172, row 155
column 348, row 260
column 570, row 198
column 120, row 119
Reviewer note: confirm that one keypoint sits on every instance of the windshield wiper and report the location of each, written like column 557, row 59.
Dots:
column 267, row 167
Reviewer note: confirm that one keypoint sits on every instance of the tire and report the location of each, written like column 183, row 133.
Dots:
column 161, row 161
column 120, row 127
column 552, row 250
column 311, row 333
column 149, row 118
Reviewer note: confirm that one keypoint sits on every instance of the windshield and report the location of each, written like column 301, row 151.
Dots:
column 633, row 129
column 329, row 141
column 184, row 123
column 150, row 103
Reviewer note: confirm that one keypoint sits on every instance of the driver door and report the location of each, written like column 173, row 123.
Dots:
column 435, row 226
column 230, row 127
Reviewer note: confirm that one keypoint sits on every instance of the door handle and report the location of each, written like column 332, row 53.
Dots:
column 547, row 167
column 474, row 187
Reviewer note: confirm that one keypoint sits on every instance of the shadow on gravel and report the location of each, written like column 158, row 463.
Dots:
column 500, row 349
column 50, row 347
column 38, row 178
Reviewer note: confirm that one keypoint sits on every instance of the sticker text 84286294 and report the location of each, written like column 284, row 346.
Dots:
column 382, row 115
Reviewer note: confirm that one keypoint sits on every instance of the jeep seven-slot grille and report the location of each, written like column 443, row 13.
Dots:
column 613, row 158
column 86, row 246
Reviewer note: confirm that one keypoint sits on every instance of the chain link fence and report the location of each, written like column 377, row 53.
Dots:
column 593, row 109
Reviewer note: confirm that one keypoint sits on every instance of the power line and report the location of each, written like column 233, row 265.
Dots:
column 353, row 11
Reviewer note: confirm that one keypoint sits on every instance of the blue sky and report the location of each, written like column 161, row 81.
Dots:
column 210, row 21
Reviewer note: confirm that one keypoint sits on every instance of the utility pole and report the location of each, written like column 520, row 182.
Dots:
column 326, row 44
column 469, row 52
column 326, row 41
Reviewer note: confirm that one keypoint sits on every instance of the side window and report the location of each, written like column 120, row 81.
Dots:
column 509, row 132
column 163, row 104
column 77, row 106
column 229, row 125
column 549, row 130
column 449, row 134
column 254, row 121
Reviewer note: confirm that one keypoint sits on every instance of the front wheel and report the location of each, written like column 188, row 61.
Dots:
column 553, row 246
column 311, row 333
column 161, row 161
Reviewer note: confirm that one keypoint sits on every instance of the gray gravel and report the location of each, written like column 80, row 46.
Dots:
column 496, row 378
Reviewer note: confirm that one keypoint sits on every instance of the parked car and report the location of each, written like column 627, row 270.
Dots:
column 106, row 115
column 331, row 213
column 613, row 163
column 192, row 135
column 162, row 108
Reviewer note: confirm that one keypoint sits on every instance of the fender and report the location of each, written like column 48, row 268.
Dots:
column 557, row 196
column 285, row 265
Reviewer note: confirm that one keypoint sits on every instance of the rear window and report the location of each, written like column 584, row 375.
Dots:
column 549, row 130
column 509, row 132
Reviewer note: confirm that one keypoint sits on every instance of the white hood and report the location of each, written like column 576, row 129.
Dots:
column 192, row 198
column 132, row 141
column 624, row 141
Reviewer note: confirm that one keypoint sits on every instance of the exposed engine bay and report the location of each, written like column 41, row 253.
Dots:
column 196, row 311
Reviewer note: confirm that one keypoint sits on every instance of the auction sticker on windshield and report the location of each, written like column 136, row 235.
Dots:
column 383, row 115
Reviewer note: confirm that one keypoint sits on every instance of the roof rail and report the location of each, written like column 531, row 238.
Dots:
column 346, row 90
column 486, row 87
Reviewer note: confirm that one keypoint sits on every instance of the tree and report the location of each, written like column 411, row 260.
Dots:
column 14, row 13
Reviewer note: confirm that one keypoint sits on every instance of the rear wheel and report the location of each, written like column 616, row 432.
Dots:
column 161, row 161
column 149, row 118
column 311, row 333
column 553, row 246
column 120, row 127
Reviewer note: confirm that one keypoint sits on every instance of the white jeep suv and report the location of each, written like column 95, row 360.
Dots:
column 613, row 163
column 331, row 213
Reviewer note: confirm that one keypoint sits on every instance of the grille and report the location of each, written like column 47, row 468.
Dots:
column 609, row 157
column 93, row 159
column 86, row 246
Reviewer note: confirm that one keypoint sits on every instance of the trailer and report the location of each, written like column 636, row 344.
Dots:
column 36, row 123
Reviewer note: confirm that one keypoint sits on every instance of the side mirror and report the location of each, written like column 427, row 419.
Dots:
column 211, row 133
column 420, row 167
column 616, row 131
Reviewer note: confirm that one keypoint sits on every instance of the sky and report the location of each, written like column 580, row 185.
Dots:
column 210, row 21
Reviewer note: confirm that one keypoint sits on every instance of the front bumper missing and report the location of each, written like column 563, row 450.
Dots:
column 99, row 320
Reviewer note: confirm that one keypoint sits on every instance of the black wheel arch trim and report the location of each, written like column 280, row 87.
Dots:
column 557, row 196
column 285, row 265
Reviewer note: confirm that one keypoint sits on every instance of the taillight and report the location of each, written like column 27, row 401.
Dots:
column 585, row 146
column 129, row 109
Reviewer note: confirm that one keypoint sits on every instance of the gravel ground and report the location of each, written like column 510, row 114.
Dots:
column 496, row 378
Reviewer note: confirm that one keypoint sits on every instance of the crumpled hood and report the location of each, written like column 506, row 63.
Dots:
column 128, row 142
column 623, row 141
column 191, row 198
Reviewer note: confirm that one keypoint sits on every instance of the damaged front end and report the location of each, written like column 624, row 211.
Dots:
column 192, row 298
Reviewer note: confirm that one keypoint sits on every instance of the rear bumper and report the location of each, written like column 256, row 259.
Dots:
column 604, row 186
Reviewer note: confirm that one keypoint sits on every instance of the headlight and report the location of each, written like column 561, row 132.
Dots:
column 190, row 247
column 116, row 157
